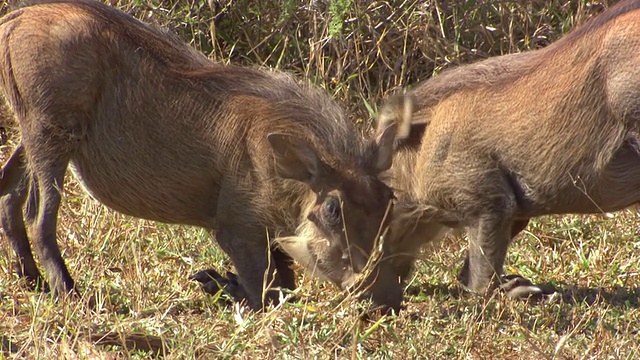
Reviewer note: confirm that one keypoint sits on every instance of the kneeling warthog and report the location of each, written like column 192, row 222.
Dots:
column 489, row 145
column 154, row 129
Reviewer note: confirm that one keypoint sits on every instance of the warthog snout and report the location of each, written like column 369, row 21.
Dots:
column 380, row 284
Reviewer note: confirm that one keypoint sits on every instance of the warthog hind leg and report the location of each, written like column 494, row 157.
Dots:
column 14, row 184
column 48, row 152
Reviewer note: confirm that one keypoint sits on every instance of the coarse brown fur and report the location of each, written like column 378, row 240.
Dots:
column 154, row 129
column 495, row 143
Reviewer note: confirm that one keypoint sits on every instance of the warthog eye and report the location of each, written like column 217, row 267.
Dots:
column 331, row 211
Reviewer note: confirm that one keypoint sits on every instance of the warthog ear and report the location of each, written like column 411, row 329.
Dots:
column 385, row 147
column 295, row 158
column 396, row 110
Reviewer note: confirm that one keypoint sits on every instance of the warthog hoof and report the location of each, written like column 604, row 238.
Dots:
column 518, row 287
column 212, row 282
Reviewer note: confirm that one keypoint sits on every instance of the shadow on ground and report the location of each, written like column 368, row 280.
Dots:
column 617, row 296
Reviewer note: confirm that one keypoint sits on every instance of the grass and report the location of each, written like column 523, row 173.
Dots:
column 137, row 270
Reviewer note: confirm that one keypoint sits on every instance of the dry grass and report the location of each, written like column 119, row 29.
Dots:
column 137, row 270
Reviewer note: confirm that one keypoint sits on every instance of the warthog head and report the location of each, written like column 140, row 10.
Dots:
column 341, row 238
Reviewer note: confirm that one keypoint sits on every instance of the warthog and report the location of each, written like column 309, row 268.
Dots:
column 489, row 145
column 154, row 129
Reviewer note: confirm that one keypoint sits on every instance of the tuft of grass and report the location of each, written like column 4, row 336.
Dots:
column 135, row 271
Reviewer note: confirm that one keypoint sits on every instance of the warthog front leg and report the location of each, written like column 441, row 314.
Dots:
column 516, row 286
column 489, row 238
column 13, row 193
column 212, row 281
column 258, row 269
column 241, row 235
column 483, row 265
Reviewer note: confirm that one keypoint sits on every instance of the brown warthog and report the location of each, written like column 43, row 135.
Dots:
column 492, row 144
column 154, row 129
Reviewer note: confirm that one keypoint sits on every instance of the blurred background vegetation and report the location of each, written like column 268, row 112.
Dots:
column 362, row 50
